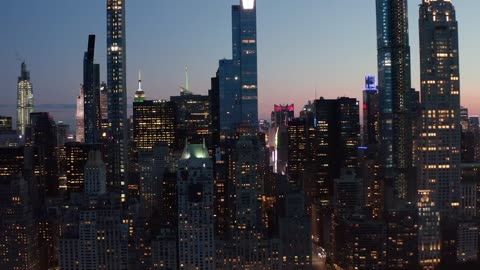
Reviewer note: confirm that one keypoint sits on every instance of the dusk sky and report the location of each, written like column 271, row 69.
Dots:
column 303, row 45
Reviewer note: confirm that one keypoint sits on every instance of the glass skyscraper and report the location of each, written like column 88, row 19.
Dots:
column 394, row 91
column 244, row 52
column 117, row 92
column 24, row 100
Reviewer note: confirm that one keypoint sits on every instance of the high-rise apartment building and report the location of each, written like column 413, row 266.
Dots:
column 394, row 95
column 440, row 145
column 117, row 92
column 25, row 104
column 5, row 123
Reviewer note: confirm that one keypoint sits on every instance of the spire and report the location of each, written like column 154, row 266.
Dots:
column 139, row 94
column 139, row 80
column 187, row 86
column 186, row 90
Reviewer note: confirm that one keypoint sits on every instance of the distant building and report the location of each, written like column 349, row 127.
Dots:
column 80, row 117
column 5, row 123
column 25, row 104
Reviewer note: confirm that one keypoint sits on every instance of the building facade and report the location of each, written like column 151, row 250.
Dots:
column 25, row 104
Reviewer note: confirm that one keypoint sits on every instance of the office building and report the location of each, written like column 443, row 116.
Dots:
column 440, row 146
column 338, row 137
column 153, row 122
column 25, row 104
column 193, row 119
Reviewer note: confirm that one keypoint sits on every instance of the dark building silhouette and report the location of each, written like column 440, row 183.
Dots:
column 91, row 92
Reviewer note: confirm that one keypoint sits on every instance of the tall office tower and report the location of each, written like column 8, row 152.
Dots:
column 439, row 164
column 91, row 92
column 25, row 104
column 195, row 209
column 464, row 118
column 117, row 92
column 153, row 122
column 42, row 134
column 278, row 143
column 192, row 118
column 338, row 137
column 95, row 174
column 298, row 151
column 80, row 117
column 370, row 112
column 5, row 123
column 244, row 51
column 19, row 248
column 402, row 237
column 428, row 231
column 394, row 96
column 214, row 101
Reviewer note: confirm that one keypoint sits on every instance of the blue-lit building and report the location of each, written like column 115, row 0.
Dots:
column 244, row 46
column 117, row 92
column 394, row 94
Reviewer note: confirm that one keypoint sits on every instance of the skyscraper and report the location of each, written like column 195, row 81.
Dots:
column 195, row 209
column 91, row 91
column 244, row 48
column 439, row 164
column 394, row 88
column 24, row 100
column 5, row 123
column 117, row 92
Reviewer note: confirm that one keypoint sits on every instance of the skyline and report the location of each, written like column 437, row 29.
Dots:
column 291, row 78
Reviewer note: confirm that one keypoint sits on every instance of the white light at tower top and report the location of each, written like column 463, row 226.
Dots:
column 248, row 4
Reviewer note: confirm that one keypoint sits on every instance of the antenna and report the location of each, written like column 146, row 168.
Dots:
column 187, row 86
column 19, row 58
